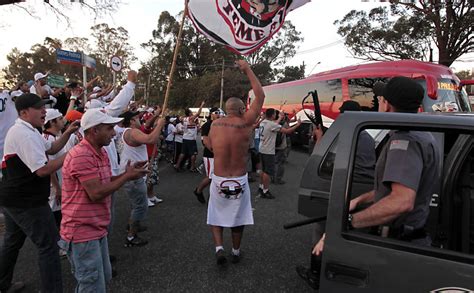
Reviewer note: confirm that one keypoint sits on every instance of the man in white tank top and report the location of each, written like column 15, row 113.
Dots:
column 134, row 150
column 189, row 147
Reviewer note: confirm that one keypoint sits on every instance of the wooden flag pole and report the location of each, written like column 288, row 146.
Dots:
column 170, row 79
column 175, row 57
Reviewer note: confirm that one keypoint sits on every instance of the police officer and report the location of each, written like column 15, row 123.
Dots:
column 404, row 172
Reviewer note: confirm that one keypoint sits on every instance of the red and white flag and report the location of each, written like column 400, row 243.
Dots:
column 243, row 26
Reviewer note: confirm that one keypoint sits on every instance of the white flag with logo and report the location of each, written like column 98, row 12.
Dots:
column 241, row 25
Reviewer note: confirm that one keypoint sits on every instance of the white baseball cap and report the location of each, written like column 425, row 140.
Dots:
column 96, row 89
column 94, row 104
column 15, row 94
column 95, row 117
column 39, row 76
column 52, row 114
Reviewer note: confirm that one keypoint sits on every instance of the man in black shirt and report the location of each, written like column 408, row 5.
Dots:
column 207, row 156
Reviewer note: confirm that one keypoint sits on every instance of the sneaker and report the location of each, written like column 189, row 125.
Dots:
column 194, row 170
column 200, row 196
column 155, row 199
column 267, row 195
column 150, row 203
column 62, row 253
column 220, row 257
column 15, row 287
column 136, row 241
column 235, row 258
column 260, row 192
column 309, row 276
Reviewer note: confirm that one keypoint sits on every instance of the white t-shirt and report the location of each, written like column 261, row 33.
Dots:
column 171, row 130
column 178, row 137
column 190, row 129
column 118, row 138
column 53, row 203
column 33, row 153
column 8, row 115
column 268, row 134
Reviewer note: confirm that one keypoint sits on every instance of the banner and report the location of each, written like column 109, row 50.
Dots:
column 243, row 26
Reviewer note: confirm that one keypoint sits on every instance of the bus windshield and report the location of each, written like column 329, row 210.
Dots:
column 450, row 98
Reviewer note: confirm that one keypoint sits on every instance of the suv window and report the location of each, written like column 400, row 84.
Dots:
column 450, row 218
column 327, row 164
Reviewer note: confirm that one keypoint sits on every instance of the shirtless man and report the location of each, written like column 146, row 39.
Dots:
column 229, row 201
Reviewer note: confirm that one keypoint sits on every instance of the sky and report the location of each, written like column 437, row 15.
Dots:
column 322, row 48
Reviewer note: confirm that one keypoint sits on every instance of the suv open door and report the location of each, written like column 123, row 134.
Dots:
column 354, row 260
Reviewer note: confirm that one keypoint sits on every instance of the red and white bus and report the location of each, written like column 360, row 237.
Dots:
column 443, row 89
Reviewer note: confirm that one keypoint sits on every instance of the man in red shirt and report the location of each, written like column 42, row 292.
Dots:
column 86, row 190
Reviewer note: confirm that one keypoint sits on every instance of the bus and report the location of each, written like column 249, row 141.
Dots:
column 443, row 89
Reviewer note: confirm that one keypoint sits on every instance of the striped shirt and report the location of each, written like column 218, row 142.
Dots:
column 82, row 219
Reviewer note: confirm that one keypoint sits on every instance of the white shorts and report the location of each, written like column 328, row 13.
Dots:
column 227, row 209
column 209, row 165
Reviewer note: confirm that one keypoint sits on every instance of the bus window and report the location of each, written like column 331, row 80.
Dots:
column 360, row 90
column 328, row 90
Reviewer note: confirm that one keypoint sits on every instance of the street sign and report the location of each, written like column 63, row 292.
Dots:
column 68, row 57
column 88, row 61
column 56, row 80
column 116, row 63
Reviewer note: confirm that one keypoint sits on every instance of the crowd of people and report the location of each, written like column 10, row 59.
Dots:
column 64, row 156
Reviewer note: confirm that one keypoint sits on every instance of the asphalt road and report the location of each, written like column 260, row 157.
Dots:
column 180, row 254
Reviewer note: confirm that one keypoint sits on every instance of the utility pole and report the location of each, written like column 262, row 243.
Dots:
column 222, row 85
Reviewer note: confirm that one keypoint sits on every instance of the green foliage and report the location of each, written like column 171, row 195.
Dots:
column 290, row 73
column 464, row 74
column 407, row 29
column 106, row 41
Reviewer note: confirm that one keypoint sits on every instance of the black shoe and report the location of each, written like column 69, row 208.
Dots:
column 309, row 276
column 112, row 258
column 235, row 258
column 267, row 195
column 260, row 192
column 200, row 196
column 141, row 228
column 136, row 241
column 220, row 257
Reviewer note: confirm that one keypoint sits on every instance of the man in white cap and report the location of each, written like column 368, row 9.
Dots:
column 88, row 184
column 53, row 124
column 41, row 88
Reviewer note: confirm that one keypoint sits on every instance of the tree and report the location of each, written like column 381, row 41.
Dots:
column 98, row 8
column 406, row 30
column 290, row 73
column 464, row 74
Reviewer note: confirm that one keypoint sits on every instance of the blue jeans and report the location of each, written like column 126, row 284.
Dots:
column 137, row 194
column 38, row 224
column 90, row 264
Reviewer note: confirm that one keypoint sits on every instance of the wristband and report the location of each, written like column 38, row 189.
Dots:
column 73, row 98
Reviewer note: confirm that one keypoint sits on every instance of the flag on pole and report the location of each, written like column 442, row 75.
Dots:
column 243, row 26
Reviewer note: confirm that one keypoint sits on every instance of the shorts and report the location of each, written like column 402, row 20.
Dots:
column 209, row 166
column 170, row 146
column 189, row 147
column 153, row 177
column 268, row 164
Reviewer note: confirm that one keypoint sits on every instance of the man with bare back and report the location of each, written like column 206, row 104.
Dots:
column 229, row 201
